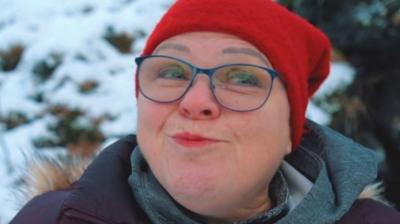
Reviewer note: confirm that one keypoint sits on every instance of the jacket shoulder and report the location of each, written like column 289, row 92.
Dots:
column 369, row 211
column 48, row 202
column 44, row 209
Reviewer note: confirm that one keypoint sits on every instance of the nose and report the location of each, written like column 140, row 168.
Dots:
column 199, row 102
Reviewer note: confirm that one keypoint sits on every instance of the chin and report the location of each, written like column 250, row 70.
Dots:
column 191, row 190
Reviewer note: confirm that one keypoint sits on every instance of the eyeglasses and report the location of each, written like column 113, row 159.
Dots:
column 238, row 87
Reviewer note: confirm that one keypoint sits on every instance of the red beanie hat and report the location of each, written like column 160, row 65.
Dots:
column 298, row 51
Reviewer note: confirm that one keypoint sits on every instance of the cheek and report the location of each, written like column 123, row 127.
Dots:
column 253, row 140
column 262, row 142
column 151, row 120
column 145, row 114
column 250, row 130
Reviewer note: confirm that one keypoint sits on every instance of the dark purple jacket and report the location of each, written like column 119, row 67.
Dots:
column 102, row 195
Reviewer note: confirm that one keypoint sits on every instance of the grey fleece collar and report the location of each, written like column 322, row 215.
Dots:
column 339, row 168
column 161, row 208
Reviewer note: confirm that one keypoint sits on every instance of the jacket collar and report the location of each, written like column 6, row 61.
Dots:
column 103, row 190
column 339, row 169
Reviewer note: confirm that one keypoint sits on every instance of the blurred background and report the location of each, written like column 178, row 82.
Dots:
column 67, row 84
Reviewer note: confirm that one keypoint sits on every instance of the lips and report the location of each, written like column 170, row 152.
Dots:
column 190, row 140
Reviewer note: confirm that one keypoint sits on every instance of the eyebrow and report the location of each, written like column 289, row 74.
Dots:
column 248, row 51
column 228, row 50
column 174, row 46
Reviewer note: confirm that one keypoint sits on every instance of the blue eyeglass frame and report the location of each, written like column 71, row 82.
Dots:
column 207, row 71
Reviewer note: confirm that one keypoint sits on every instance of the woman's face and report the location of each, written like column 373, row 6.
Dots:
column 214, row 161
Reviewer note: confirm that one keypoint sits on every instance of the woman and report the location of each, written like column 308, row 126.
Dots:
column 222, row 89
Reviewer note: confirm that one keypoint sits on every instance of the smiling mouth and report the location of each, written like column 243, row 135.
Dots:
column 189, row 140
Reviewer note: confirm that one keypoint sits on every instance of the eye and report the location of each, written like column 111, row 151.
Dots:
column 176, row 72
column 242, row 78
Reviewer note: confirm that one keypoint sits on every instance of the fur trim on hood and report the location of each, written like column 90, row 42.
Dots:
column 43, row 174
column 375, row 191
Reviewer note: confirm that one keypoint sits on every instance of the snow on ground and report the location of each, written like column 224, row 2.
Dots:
column 74, row 31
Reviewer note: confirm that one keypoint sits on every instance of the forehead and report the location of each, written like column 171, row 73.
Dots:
column 209, row 43
column 215, row 36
